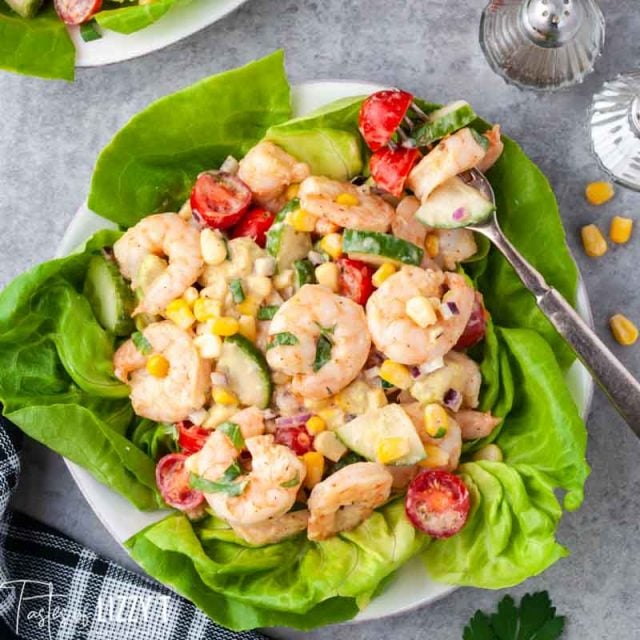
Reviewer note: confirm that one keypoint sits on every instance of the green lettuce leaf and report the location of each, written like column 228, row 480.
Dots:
column 151, row 164
column 131, row 18
column 56, row 375
column 38, row 46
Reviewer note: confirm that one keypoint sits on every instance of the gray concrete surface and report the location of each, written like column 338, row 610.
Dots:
column 51, row 132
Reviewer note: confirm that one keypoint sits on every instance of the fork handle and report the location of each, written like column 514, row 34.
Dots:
column 611, row 375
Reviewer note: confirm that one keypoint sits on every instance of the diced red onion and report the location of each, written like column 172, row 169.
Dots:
column 292, row 421
column 452, row 399
column 219, row 379
column 415, row 372
column 269, row 414
column 230, row 165
column 448, row 310
column 431, row 365
column 371, row 373
column 458, row 214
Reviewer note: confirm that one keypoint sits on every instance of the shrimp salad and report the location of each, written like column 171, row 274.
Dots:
column 307, row 338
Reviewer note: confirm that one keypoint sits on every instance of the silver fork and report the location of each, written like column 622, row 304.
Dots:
column 611, row 375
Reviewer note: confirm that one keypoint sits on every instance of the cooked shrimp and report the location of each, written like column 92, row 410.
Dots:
column 402, row 475
column 457, row 153
column 274, row 529
column 454, row 246
column 397, row 335
column 496, row 147
column 164, row 234
column 271, row 485
column 476, row 424
column 268, row 170
column 250, row 421
column 318, row 196
column 450, row 445
column 347, row 498
column 310, row 313
column 405, row 225
column 182, row 391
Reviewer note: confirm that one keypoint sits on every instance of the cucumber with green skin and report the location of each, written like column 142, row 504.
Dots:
column 284, row 243
column 303, row 273
column 109, row 295
column 246, row 370
column 444, row 122
column 454, row 204
column 364, row 434
column 25, row 8
column 377, row 248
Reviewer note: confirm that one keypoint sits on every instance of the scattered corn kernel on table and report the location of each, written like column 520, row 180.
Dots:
column 423, row 50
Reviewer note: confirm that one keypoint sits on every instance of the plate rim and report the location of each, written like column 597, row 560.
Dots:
column 70, row 240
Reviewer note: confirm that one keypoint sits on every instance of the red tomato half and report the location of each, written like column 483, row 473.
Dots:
column 355, row 279
column 77, row 11
column 254, row 225
column 437, row 503
column 219, row 199
column 191, row 438
column 381, row 114
column 390, row 168
column 173, row 481
column 298, row 439
column 476, row 327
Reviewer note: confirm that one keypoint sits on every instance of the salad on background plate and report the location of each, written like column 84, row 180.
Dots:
column 320, row 375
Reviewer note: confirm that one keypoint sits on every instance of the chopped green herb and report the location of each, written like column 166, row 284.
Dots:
column 535, row 619
column 225, row 484
column 237, row 292
column 326, row 332
column 267, row 312
column 294, row 482
column 233, row 432
column 303, row 273
column 385, row 385
column 282, row 339
column 323, row 352
column 141, row 343
column 441, row 433
column 226, row 246
column 89, row 31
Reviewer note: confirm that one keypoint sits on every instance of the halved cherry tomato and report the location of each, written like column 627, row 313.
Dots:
column 297, row 439
column 191, row 438
column 219, row 199
column 77, row 11
column 355, row 279
column 172, row 479
column 437, row 503
column 254, row 224
column 476, row 326
column 390, row 168
column 381, row 114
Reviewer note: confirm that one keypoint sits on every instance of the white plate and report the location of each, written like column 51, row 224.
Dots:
column 412, row 587
column 179, row 22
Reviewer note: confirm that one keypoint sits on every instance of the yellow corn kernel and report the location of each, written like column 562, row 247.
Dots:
column 332, row 416
column 620, row 229
column 218, row 414
column 224, row 396
column 314, row 462
column 283, row 280
column 212, row 247
column 383, row 272
column 599, row 192
column 436, row 420
column 593, row 241
column 302, row 220
column 347, row 199
column 315, row 424
column 331, row 244
column 247, row 327
column 205, row 309
column 421, row 311
column 328, row 274
column 491, row 452
column 436, row 457
column 180, row 313
column 378, row 398
column 624, row 331
column 313, row 404
column 432, row 245
column 158, row 366
column 259, row 286
column 292, row 191
column 249, row 306
column 190, row 296
column 396, row 374
column 224, row 326
column 391, row 449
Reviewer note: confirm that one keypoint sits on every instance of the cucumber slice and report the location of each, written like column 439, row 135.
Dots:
column 109, row 295
column 25, row 8
column 284, row 243
column 444, row 122
column 377, row 248
column 454, row 204
column 365, row 433
column 246, row 370
column 303, row 273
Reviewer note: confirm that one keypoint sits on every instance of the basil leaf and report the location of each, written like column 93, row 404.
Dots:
column 323, row 352
column 233, row 432
column 282, row 339
column 237, row 292
column 267, row 312
column 225, row 484
column 326, row 332
column 141, row 343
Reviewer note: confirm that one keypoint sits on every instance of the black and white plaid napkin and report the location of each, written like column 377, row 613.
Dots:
column 52, row 588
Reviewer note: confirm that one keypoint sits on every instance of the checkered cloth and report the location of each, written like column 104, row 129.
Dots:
column 52, row 588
